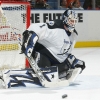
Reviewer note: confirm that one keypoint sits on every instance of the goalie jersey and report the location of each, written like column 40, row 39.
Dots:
column 55, row 38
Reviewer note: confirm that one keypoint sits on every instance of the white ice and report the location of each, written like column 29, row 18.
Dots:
column 85, row 87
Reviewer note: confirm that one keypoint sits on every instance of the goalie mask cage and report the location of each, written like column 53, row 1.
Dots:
column 14, row 19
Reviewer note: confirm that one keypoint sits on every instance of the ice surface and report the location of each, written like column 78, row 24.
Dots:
column 85, row 87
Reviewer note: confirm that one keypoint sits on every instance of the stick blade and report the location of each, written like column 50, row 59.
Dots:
column 54, row 84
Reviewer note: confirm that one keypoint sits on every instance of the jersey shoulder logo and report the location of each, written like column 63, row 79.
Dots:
column 51, row 23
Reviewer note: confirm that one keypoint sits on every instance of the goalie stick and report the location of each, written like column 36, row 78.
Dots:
column 41, row 77
column 59, row 82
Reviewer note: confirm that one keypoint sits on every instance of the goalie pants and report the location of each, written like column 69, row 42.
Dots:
column 47, row 59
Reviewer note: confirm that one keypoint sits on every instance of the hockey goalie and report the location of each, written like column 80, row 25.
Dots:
column 48, row 48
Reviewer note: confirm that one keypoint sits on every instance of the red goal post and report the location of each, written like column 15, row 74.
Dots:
column 14, row 18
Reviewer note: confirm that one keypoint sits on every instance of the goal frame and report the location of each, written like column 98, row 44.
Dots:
column 27, row 11
column 28, row 16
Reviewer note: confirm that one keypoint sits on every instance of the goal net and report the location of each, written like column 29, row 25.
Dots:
column 14, row 19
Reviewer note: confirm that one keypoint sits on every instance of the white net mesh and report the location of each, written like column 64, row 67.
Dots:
column 13, row 20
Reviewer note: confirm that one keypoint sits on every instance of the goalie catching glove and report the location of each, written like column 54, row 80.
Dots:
column 73, row 62
column 28, row 43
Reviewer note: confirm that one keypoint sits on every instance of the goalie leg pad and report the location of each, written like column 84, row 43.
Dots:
column 27, row 77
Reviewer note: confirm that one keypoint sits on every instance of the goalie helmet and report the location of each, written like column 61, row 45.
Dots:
column 69, row 18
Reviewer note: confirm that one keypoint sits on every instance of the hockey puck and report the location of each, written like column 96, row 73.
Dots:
column 64, row 96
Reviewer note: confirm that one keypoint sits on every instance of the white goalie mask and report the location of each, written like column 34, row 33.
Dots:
column 70, row 19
